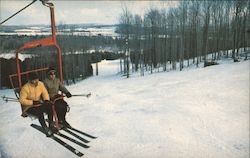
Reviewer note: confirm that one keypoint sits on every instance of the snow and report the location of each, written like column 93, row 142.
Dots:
column 195, row 113
column 45, row 31
column 12, row 55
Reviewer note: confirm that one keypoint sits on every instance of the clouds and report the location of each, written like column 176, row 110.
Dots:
column 75, row 12
column 103, row 12
column 35, row 14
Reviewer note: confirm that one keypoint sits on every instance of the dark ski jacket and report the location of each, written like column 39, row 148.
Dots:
column 54, row 86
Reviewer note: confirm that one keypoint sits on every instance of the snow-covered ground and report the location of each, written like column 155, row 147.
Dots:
column 195, row 113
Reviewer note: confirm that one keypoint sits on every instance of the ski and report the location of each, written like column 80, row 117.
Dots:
column 58, row 140
column 83, row 133
column 76, row 130
column 75, row 135
column 72, row 140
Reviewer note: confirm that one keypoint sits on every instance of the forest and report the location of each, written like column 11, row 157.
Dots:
column 191, row 31
column 161, row 38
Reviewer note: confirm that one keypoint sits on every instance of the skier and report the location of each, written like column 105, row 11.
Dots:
column 53, row 86
column 34, row 99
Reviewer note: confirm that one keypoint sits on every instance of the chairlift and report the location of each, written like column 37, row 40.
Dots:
column 45, row 42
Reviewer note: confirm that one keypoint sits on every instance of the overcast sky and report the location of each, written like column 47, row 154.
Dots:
column 75, row 12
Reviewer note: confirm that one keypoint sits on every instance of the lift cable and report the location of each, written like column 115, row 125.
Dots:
column 18, row 12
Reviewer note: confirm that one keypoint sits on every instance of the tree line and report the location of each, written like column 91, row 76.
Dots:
column 161, row 38
column 76, row 61
column 67, row 42
column 188, row 32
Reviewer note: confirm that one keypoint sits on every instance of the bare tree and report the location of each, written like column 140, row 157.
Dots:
column 125, row 27
column 182, row 22
column 206, row 6
column 171, row 26
column 153, row 16
column 194, row 26
column 237, row 25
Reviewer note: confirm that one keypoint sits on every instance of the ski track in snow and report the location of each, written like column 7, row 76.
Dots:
column 196, row 113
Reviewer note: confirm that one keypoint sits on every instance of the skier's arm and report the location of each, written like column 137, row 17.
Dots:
column 45, row 93
column 64, row 90
column 23, row 98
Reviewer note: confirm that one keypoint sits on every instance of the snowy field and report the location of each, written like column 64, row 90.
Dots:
column 80, row 31
column 196, row 113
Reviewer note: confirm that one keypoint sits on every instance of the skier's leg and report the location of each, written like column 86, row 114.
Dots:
column 64, row 111
column 47, row 108
column 58, row 110
column 38, row 112
column 62, row 108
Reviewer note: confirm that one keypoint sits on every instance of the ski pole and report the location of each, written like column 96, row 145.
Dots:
column 11, row 100
column 81, row 95
column 4, row 97
column 73, row 95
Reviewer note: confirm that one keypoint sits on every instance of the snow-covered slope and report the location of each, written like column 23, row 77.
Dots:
column 196, row 113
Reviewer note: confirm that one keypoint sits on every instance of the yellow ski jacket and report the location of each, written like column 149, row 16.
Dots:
column 30, row 93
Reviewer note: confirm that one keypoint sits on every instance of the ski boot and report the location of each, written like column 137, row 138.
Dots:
column 53, row 129
column 63, row 124
column 66, row 124
column 48, row 132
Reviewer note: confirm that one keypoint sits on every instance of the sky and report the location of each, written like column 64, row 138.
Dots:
column 75, row 12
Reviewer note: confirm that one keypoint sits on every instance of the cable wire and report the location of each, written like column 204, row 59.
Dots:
column 18, row 12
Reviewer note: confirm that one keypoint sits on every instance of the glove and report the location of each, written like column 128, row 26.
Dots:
column 37, row 102
column 68, row 95
column 56, row 96
column 47, row 101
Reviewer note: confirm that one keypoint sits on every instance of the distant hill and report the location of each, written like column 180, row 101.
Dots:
column 75, row 29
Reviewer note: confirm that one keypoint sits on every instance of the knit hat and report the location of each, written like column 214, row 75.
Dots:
column 33, row 76
column 51, row 69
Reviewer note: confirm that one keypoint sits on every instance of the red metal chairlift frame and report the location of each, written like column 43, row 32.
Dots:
column 49, row 41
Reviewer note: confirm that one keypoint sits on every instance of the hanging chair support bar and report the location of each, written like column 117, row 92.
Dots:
column 49, row 41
